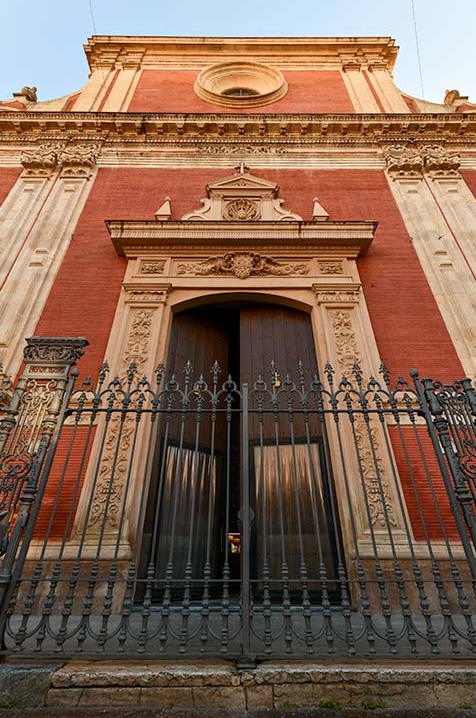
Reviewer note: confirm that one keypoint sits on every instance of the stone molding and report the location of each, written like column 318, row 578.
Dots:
column 133, row 238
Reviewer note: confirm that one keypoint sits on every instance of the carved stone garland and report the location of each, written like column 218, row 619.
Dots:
column 108, row 496
column 366, row 435
column 242, row 265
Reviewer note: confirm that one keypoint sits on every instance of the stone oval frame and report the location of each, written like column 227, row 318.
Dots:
column 264, row 84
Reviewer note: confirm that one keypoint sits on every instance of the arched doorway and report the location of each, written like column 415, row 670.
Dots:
column 208, row 449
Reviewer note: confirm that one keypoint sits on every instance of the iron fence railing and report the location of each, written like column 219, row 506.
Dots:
column 192, row 515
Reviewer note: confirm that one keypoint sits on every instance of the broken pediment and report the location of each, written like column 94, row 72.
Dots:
column 242, row 197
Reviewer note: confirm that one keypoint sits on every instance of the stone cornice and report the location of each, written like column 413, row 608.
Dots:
column 112, row 128
column 108, row 52
column 132, row 238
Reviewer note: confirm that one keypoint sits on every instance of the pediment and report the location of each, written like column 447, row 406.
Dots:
column 241, row 197
column 243, row 184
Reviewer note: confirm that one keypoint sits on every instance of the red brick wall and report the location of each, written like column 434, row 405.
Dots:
column 8, row 177
column 423, row 486
column 309, row 91
column 406, row 321
column 470, row 179
column 65, row 483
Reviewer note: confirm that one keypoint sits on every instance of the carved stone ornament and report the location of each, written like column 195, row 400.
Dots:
column 336, row 296
column 222, row 150
column 240, row 197
column 108, row 495
column 143, row 296
column 42, row 161
column 241, row 209
column 330, row 267
column 78, row 160
column 441, row 163
column 434, row 160
column 74, row 161
column 365, row 433
column 152, row 267
column 242, row 265
column 403, row 161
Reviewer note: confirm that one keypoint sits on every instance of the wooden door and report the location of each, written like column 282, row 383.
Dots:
column 294, row 534
column 192, row 505
column 183, row 525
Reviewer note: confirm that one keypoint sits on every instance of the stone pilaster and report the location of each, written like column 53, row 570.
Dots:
column 133, row 342
column 40, row 214
column 385, row 88
column 439, row 212
column 347, row 334
column 358, row 88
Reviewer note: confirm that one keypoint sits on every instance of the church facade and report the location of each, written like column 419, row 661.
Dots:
column 260, row 237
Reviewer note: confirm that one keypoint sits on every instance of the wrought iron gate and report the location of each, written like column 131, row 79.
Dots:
column 190, row 515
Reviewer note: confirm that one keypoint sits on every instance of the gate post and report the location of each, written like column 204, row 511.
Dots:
column 247, row 658
column 460, row 499
column 29, row 433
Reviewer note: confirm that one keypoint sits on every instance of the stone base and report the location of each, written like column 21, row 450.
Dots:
column 217, row 686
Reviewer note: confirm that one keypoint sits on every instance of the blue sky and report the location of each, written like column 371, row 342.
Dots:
column 42, row 41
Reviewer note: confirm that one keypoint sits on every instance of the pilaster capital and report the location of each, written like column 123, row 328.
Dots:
column 337, row 294
column 74, row 159
column 78, row 160
column 436, row 161
column 403, row 161
column 441, row 163
column 146, row 294
column 41, row 161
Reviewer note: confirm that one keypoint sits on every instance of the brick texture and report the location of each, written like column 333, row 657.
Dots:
column 470, row 178
column 8, row 177
column 65, row 482
column 422, row 485
column 309, row 91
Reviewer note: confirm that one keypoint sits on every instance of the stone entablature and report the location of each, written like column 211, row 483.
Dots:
column 110, row 128
column 132, row 238
column 107, row 52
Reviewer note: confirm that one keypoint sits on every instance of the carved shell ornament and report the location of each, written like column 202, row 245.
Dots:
column 242, row 210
